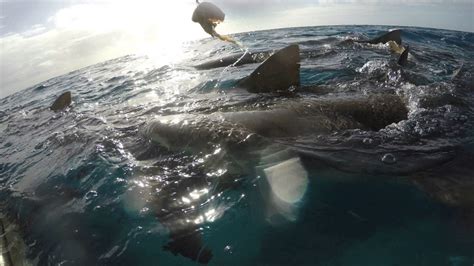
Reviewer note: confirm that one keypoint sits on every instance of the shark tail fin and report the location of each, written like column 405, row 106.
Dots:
column 279, row 72
column 403, row 59
column 394, row 35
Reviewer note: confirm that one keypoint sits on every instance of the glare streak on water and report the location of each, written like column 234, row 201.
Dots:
column 88, row 186
column 246, row 51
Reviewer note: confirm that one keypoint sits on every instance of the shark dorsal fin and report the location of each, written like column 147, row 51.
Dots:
column 403, row 59
column 394, row 35
column 63, row 101
column 279, row 72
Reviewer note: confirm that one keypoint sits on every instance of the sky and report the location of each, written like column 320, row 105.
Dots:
column 41, row 39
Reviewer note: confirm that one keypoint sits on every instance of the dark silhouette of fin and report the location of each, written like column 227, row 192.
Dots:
column 457, row 72
column 463, row 78
column 188, row 243
column 279, row 72
column 63, row 101
column 394, row 35
column 403, row 59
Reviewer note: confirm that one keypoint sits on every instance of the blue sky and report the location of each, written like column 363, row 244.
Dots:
column 45, row 38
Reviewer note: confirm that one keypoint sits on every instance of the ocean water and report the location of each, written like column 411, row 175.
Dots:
column 87, row 186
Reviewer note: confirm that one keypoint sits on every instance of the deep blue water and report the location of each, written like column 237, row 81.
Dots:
column 85, row 185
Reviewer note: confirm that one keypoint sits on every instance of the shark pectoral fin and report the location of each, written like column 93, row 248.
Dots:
column 403, row 59
column 279, row 72
column 394, row 35
column 189, row 244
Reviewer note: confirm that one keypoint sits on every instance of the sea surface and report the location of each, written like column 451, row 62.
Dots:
column 83, row 184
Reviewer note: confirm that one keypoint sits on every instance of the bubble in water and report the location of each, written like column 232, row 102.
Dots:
column 389, row 158
column 462, row 118
column 368, row 141
column 91, row 194
column 228, row 249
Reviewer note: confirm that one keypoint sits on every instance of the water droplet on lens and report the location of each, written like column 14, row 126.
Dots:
column 389, row 158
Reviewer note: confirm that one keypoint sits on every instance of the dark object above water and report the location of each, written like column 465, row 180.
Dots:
column 208, row 15
column 206, row 10
column 279, row 72
column 62, row 102
column 403, row 59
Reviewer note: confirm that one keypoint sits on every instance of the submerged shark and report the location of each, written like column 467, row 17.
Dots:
column 392, row 38
column 252, row 134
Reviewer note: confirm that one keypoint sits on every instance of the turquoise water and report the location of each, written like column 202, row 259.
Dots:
column 88, row 187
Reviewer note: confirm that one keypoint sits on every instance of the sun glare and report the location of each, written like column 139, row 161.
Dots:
column 161, row 28
column 153, row 28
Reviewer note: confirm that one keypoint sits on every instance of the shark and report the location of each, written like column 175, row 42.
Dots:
column 268, row 139
column 392, row 38
column 258, row 138
column 253, row 134
column 295, row 116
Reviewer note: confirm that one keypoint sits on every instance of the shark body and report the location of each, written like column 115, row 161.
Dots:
column 246, row 131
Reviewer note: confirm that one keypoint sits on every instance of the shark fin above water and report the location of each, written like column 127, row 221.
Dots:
column 279, row 72
column 403, row 59
column 63, row 101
